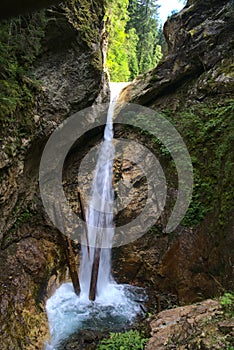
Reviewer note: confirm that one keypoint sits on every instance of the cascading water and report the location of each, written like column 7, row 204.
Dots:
column 100, row 213
column 115, row 305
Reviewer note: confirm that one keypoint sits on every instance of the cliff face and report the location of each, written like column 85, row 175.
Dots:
column 193, row 88
column 199, row 38
column 70, row 66
column 183, row 325
column 68, row 73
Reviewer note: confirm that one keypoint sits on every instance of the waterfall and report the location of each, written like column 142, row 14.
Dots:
column 115, row 305
column 99, row 213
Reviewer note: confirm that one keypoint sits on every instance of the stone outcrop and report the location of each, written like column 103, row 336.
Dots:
column 197, row 326
column 69, row 69
column 199, row 38
column 193, row 87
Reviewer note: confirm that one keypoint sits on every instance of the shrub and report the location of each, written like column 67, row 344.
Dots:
column 227, row 301
column 131, row 340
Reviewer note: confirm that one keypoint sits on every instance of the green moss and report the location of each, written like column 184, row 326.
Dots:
column 85, row 16
column 208, row 131
column 23, row 217
column 19, row 216
column 19, row 46
column 192, row 32
column 227, row 69
column 20, row 40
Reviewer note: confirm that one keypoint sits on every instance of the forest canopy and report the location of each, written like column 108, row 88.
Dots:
column 134, row 38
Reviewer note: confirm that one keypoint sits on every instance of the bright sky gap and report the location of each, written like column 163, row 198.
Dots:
column 166, row 7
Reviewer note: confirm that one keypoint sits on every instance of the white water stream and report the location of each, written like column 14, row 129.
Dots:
column 115, row 305
column 99, row 214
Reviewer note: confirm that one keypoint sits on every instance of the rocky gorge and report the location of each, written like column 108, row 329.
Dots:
column 69, row 69
column 193, row 87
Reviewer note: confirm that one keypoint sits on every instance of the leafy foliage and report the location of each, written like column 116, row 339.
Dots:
column 117, row 60
column 131, row 340
column 208, row 131
column 19, row 45
column 227, row 301
column 133, row 42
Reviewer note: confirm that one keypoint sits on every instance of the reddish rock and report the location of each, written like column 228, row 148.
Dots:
column 188, row 327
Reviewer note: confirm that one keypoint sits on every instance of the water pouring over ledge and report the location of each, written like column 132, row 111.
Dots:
column 95, row 271
column 102, row 304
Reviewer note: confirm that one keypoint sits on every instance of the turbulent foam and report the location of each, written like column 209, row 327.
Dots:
column 113, row 310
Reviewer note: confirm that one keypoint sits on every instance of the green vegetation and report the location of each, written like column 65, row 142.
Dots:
column 19, row 46
column 227, row 301
column 24, row 216
column 143, row 18
column 131, row 340
column 208, row 131
column 19, row 216
column 117, row 60
column 85, row 15
column 133, row 40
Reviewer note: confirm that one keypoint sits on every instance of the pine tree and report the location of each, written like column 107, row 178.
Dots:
column 162, row 41
column 132, row 53
column 143, row 18
column 133, row 38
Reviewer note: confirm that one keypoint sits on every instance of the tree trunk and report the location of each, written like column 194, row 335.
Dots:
column 69, row 253
column 71, row 261
column 94, row 276
column 83, row 217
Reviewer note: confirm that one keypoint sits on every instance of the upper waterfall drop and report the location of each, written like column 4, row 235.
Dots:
column 115, row 89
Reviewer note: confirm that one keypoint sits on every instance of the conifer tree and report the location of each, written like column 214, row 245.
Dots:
column 143, row 18
column 133, row 38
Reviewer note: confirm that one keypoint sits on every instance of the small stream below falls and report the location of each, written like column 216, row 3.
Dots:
column 116, row 306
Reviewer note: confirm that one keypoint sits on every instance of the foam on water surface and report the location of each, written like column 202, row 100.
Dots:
column 116, row 308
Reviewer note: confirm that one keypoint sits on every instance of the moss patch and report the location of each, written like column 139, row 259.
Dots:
column 208, row 131
column 19, row 46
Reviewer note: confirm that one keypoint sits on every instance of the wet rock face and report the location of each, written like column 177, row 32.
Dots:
column 196, row 262
column 198, row 37
column 24, row 271
column 71, row 64
column 86, row 339
column 198, row 24
column 70, row 70
column 197, row 326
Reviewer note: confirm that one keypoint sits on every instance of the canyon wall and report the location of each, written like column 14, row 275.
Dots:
column 65, row 75
column 193, row 88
